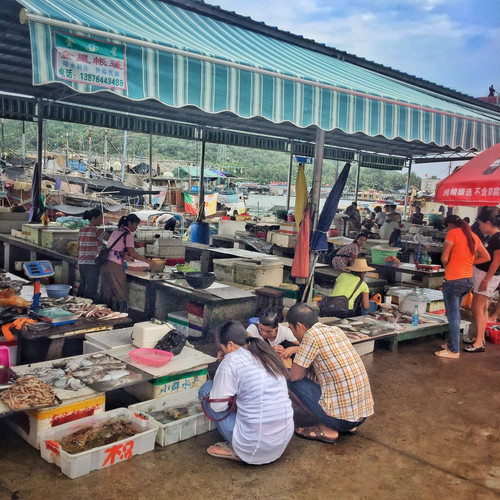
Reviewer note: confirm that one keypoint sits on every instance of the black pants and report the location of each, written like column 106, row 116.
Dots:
column 89, row 280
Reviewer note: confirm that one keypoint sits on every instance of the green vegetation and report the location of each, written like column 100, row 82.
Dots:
column 250, row 164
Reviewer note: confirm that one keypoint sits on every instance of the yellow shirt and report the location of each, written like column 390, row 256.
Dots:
column 345, row 284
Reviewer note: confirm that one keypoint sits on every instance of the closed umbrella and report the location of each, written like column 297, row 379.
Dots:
column 37, row 208
column 300, row 266
column 319, row 242
column 300, row 195
column 476, row 183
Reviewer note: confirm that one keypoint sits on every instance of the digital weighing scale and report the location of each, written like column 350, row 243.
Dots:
column 36, row 270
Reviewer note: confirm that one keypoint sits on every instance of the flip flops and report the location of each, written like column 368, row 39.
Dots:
column 447, row 354
column 224, row 445
column 307, row 433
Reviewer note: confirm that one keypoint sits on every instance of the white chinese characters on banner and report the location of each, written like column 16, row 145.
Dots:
column 90, row 61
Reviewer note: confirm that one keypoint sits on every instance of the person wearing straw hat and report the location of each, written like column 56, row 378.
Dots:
column 352, row 285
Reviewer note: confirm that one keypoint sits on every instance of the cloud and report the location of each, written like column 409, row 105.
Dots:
column 439, row 40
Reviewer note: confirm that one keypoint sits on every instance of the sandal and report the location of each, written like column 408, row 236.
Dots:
column 447, row 354
column 473, row 348
column 224, row 445
column 307, row 433
column 468, row 340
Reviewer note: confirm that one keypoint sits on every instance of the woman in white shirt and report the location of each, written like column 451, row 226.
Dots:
column 259, row 430
column 279, row 337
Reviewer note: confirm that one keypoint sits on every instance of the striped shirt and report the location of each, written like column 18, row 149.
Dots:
column 89, row 244
column 345, row 389
column 264, row 415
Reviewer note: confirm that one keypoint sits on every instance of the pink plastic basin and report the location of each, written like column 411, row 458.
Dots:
column 151, row 357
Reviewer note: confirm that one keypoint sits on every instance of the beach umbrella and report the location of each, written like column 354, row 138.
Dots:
column 319, row 242
column 300, row 195
column 300, row 266
column 37, row 207
column 476, row 183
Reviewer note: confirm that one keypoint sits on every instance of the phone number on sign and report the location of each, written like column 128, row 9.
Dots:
column 87, row 77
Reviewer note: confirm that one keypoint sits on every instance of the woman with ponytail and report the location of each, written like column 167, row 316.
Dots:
column 486, row 278
column 260, row 428
column 113, row 277
column 461, row 250
column 89, row 243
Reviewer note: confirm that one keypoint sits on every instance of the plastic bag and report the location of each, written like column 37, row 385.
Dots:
column 173, row 342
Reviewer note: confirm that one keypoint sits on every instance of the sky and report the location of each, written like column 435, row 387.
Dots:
column 454, row 43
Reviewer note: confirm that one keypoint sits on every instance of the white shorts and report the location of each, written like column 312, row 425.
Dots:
column 478, row 277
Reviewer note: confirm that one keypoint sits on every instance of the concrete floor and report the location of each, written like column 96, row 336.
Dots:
column 435, row 434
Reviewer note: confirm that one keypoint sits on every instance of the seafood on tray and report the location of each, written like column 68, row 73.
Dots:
column 29, row 392
column 85, row 309
column 91, row 436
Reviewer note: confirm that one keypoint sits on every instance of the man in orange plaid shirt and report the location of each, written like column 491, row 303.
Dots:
column 342, row 400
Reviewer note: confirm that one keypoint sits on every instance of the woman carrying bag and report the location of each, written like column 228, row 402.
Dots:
column 113, row 277
column 248, row 399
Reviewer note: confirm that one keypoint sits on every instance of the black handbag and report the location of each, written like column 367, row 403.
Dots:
column 102, row 256
column 173, row 342
column 338, row 306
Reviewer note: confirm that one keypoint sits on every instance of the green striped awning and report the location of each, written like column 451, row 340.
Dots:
column 150, row 49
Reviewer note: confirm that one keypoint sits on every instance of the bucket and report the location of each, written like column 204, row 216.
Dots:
column 200, row 232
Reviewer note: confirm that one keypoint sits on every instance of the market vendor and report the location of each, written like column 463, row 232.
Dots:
column 113, row 277
column 354, row 216
column 260, row 426
column 417, row 216
column 342, row 399
column 279, row 336
column 346, row 255
column 168, row 221
column 351, row 284
column 89, row 243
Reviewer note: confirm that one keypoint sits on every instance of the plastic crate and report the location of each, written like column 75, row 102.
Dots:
column 179, row 430
column 169, row 384
column 79, row 464
column 379, row 255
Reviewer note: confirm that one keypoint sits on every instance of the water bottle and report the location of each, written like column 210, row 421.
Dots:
column 414, row 318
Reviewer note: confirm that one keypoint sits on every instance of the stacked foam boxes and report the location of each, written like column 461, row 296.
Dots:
column 195, row 319
column 180, row 321
column 173, row 249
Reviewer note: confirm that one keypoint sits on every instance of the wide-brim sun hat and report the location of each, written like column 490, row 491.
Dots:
column 360, row 266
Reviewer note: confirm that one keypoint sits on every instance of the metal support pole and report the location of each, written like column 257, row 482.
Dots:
column 407, row 189
column 67, row 150
column 23, row 151
column 201, row 195
column 105, row 153
column 150, row 168
column 124, row 159
column 290, row 168
column 358, row 171
column 317, row 173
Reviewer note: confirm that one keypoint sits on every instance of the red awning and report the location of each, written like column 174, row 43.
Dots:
column 476, row 183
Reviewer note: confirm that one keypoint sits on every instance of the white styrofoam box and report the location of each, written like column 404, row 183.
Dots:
column 195, row 320
column 283, row 240
column 110, row 339
column 224, row 269
column 179, row 430
column 174, row 252
column 90, row 347
column 170, row 384
column 229, row 227
column 179, row 321
column 169, row 242
column 259, row 272
column 152, row 233
column 79, row 464
column 288, row 228
column 147, row 334
column 29, row 424
column 195, row 331
column 363, row 348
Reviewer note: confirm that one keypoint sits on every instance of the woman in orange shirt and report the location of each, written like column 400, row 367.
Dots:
column 461, row 250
